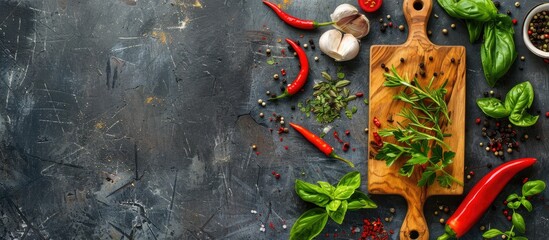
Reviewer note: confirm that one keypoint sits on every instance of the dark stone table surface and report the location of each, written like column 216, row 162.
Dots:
column 134, row 119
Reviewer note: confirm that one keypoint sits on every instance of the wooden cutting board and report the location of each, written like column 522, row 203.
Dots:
column 436, row 59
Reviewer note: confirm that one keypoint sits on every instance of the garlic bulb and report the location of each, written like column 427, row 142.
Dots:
column 347, row 19
column 339, row 46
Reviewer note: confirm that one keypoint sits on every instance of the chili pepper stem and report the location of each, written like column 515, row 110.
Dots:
column 448, row 234
column 333, row 155
column 322, row 24
column 285, row 94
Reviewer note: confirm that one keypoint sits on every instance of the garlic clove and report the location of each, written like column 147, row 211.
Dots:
column 347, row 19
column 343, row 11
column 339, row 46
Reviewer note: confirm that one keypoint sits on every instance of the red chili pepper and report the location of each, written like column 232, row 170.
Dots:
column 293, row 21
column 319, row 143
column 376, row 122
column 377, row 139
column 481, row 196
column 301, row 77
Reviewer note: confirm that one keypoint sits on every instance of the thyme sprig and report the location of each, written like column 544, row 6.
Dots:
column 420, row 137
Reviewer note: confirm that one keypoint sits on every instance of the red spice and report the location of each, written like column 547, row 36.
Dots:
column 283, row 72
column 277, row 176
column 286, row 147
column 546, row 60
column 346, row 147
column 377, row 139
column 529, row 32
column 477, row 121
column 515, row 21
column 547, row 114
column 509, row 218
column 505, row 212
column 336, row 136
column 390, row 24
column 283, row 52
column 273, row 173
column 347, row 132
column 377, row 122
column 374, row 230
column 524, row 180
column 359, row 94
column 271, row 225
column 257, row 153
column 354, row 149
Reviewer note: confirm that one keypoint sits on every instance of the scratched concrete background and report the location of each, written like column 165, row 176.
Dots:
column 133, row 119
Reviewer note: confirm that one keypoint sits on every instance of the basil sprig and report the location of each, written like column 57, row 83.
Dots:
column 517, row 101
column 333, row 202
column 514, row 202
column 498, row 51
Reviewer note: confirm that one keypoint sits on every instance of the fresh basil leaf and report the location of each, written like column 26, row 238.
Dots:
column 339, row 214
column 427, row 178
column 343, row 192
column 351, row 179
column 479, row 10
column 518, row 222
column 492, row 233
column 498, row 52
column 309, row 224
column 512, row 197
column 513, row 205
column 312, row 193
column 493, row 107
column 527, row 204
column 520, row 97
column 524, row 120
column 359, row 200
column 531, row 188
column 475, row 29
column 326, row 186
column 510, row 233
column 333, row 205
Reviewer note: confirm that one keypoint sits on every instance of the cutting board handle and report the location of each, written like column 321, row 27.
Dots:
column 414, row 226
column 417, row 14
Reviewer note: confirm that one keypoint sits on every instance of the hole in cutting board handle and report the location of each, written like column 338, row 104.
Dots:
column 418, row 5
column 414, row 234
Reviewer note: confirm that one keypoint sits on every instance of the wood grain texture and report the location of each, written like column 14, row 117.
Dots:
column 437, row 59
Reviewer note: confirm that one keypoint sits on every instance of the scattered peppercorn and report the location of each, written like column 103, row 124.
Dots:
column 453, row 60
column 509, row 12
column 517, row 4
column 515, row 21
column 276, row 77
column 453, row 26
column 444, row 31
column 392, row 210
column 388, row 16
column 259, row 101
column 401, row 27
column 429, row 32
column 254, row 147
column 431, row 58
column 268, row 51
column 477, row 121
column 402, row 60
column 305, row 45
column 497, row 4
column 441, row 220
column 366, row 130
column 263, row 104
column 261, row 115
column 316, row 58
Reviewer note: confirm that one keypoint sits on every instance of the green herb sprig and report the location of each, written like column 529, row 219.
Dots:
column 514, row 202
column 330, row 97
column 427, row 111
column 332, row 201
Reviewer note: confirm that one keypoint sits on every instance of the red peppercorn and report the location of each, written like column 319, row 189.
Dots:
column 283, row 71
column 509, row 218
column 346, row 147
column 524, row 180
column 515, row 21
column 547, row 114
column 347, row 132
column 277, row 176
column 505, row 212
column 529, row 32
column 477, row 121
column 471, row 173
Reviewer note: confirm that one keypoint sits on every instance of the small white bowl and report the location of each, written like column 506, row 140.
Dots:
column 529, row 16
